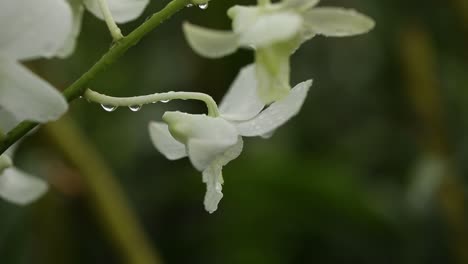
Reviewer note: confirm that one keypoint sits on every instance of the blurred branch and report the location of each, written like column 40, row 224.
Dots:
column 77, row 88
column 462, row 7
column 419, row 65
column 106, row 195
column 55, row 243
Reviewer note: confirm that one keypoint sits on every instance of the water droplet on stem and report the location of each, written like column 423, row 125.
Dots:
column 134, row 108
column 203, row 6
column 109, row 108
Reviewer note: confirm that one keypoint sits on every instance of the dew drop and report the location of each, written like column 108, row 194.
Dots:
column 165, row 101
column 134, row 108
column 203, row 6
column 189, row 5
column 109, row 108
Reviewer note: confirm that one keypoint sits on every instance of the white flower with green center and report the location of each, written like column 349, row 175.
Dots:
column 31, row 29
column 16, row 186
column 122, row 11
column 275, row 31
column 211, row 142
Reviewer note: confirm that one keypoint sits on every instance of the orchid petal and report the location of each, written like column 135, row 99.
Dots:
column 213, row 176
column 26, row 96
column 271, row 28
column 241, row 102
column 31, row 29
column 165, row 143
column 210, row 43
column 243, row 17
column 277, row 114
column 337, row 22
column 70, row 43
column 19, row 187
column 300, row 4
column 122, row 10
column 205, row 137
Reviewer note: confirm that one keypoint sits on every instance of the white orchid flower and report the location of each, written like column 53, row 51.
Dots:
column 122, row 11
column 275, row 31
column 31, row 29
column 212, row 142
column 17, row 186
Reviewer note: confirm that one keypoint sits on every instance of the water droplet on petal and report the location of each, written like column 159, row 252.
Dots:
column 165, row 101
column 203, row 6
column 134, row 108
column 109, row 108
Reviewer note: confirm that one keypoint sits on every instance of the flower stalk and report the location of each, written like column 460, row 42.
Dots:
column 113, row 28
column 102, row 99
column 264, row 2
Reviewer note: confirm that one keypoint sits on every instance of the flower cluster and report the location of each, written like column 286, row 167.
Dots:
column 32, row 30
column 212, row 142
column 260, row 99
column 275, row 32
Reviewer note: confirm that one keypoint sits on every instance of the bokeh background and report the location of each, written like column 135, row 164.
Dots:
column 373, row 169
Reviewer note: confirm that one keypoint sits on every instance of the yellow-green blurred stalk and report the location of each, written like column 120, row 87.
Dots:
column 105, row 194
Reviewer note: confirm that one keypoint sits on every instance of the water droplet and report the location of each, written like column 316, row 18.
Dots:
column 134, row 108
column 203, row 6
column 109, row 108
column 165, row 101
column 189, row 5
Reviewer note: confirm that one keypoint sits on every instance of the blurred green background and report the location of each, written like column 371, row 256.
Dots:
column 373, row 169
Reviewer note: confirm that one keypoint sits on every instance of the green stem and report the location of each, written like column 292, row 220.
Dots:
column 106, row 195
column 152, row 98
column 263, row 2
column 77, row 89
